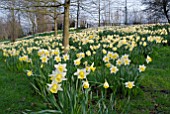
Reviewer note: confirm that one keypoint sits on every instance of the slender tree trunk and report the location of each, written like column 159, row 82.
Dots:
column 109, row 13
column 167, row 17
column 78, row 10
column 33, row 25
column 66, row 25
column 105, row 19
column 99, row 13
column 168, row 20
column 165, row 10
column 56, row 26
column 13, row 26
column 33, row 28
column 125, row 12
column 55, row 21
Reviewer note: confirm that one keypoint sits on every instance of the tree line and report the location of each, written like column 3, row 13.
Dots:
column 46, row 15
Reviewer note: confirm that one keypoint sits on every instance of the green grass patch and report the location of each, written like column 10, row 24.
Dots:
column 16, row 93
column 155, row 95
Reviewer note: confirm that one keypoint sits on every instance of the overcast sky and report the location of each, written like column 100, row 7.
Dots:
column 119, row 5
column 116, row 5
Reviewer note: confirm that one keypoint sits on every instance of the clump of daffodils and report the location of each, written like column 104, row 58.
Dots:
column 125, row 60
column 57, row 76
column 43, row 52
column 82, row 73
column 90, row 68
column 25, row 58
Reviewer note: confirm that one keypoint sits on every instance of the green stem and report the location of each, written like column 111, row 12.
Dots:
column 127, row 103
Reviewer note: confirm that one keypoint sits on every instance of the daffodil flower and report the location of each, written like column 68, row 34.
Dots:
column 129, row 84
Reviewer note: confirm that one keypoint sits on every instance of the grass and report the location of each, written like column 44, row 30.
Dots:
column 16, row 95
column 155, row 95
column 41, row 34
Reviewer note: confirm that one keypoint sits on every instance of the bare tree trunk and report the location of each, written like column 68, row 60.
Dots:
column 105, row 23
column 78, row 10
column 109, row 13
column 13, row 36
column 66, row 25
column 32, row 20
column 166, row 12
column 167, row 18
column 33, row 28
column 55, row 17
column 125, row 12
column 56, row 26
column 99, row 13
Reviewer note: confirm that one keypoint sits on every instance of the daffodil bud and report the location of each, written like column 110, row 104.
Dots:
column 106, row 85
column 86, row 84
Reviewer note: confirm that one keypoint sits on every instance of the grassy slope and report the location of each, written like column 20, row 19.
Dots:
column 15, row 90
column 155, row 97
column 16, row 94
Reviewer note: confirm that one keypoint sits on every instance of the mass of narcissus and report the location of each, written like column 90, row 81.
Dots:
column 101, row 63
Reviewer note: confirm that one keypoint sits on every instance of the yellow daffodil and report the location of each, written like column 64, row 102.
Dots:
column 88, row 53
column 66, row 57
column 110, row 54
column 106, row 59
column 126, row 62
column 119, row 62
column 81, row 73
column 56, row 51
column 142, row 68
column 77, row 62
column 41, row 66
column 144, row 44
column 29, row 73
column 44, row 59
column 115, row 56
column 92, row 68
column 104, row 51
column 108, row 65
column 86, row 84
column 54, row 87
column 114, row 69
column 23, row 58
column 148, row 59
column 58, row 76
column 57, row 58
column 129, row 84
column 61, row 67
